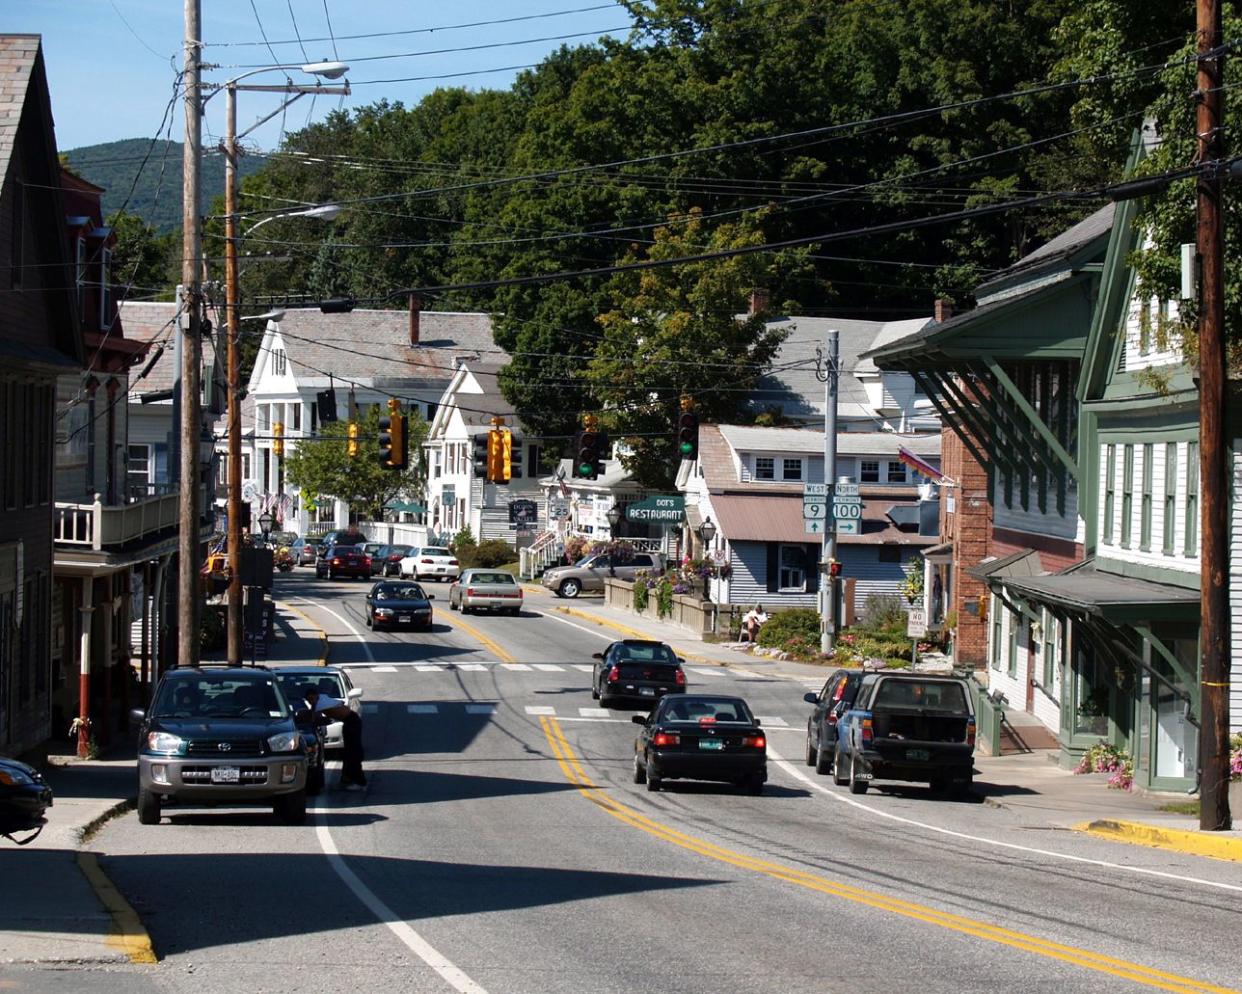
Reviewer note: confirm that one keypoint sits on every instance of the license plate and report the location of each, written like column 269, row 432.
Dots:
column 711, row 744
column 918, row 754
column 225, row 774
column 646, row 691
column 403, row 617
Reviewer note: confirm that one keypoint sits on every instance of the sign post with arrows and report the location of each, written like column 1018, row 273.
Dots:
column 815, row 508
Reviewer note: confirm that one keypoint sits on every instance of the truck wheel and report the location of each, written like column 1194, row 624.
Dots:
column 148, row 807
column 753, row 785
column 291, row 808
column 856, row 786
column 570, row 588
column 839, row 780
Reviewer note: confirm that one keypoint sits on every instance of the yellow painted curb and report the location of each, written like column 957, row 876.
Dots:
column 128, row 934
column 454, row 622
column 633, row 633
column 323, row 659
column 1178, row 840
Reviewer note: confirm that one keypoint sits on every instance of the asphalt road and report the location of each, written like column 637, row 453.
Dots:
column 502, row 847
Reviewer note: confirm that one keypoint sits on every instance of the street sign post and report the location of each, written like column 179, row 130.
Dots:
column 814, row 508
column 916, row 628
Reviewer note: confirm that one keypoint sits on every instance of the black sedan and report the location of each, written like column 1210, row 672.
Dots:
column 387, row 561
column 700, row 737
column 398, row 602
column 636, row 671
column 24, row 798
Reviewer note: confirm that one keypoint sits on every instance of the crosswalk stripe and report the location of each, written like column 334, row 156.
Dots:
column 428, row 668
column 772, row 721
column 704, row 671
column 474, row 667
column 515, row 666
column 480, row 709
column 422, row 709
column 583, row 668
column 549, row 667
column 383, row 669
column 540, row 709
column 593, row 712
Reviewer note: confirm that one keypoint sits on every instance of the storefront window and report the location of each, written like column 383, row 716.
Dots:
column 1091, row 693
column 1174, row 738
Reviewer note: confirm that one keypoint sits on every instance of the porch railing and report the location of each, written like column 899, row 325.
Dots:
column 100, row 526
column 539, row 555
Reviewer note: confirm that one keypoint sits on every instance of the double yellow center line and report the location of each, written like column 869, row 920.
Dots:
column 1084, row 958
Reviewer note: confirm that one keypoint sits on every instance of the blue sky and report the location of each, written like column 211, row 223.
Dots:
column 110, row 74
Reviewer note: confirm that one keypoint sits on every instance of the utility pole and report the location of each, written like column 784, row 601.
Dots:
column 191, row 355
column 827, row 582
column 1214, row 812
column 233, row 360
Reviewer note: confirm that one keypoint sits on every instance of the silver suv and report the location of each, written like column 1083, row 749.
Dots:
column 590, row 572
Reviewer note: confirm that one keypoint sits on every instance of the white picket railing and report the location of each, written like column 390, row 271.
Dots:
column 102, row 526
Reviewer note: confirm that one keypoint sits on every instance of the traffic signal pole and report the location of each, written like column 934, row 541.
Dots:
column 828, row 582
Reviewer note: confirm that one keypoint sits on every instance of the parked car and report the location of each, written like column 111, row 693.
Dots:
column 303, row 552
column 24, row 799
column 342, row 536
column 590, row 572
column 833, row 700
column 396, row 602
column 430, row 562
column 390, row 557
column 226, row 735
column 697, row 737
column 372, row 550
column 486, row 589
column 908, row 727
column 343, row 560
column 330, row 680
column 636, row 671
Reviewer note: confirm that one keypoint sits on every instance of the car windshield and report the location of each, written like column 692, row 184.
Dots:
column 433, row 550
column 920, row 694
column 717, row 709
column 398, row 550
column 501, row 578
column 211, row 695
column 399, row 592
column 646, row 654
column 586, row 560
column 295, row 685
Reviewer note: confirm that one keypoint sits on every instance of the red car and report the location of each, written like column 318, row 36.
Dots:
column 343, row 560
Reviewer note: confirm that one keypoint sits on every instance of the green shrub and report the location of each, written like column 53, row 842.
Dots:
column 800, row 623
column 493, row 552
column 883, row 611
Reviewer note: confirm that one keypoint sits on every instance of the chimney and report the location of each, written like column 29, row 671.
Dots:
column 758, row 301
column 416, row 307
column 942, row 309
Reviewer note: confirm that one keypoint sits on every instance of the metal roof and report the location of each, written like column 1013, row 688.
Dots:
column 750, row 438
column 1085, row 588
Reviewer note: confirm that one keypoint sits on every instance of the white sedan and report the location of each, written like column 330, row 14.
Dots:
column 430, row 562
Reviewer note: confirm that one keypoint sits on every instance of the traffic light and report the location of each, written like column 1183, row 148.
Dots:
column 352, row 445
column 478, row 456
column 394, row 451
column 513, row 454
column 506, row 455
column 325, row 402
column 495, row 456
column 586, row 455
column 834, row 568
column 688, row 435
column 278, row 439
column 602, row 447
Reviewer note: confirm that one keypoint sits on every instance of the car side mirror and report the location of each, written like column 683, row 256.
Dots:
column 597, row 655
column 811, row 698
column 680, row 660
column 136, row 717
column 431, row 597
column 638, row 719
column 353, row 693
column 758, row 722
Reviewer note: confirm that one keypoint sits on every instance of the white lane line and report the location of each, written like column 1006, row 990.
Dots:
column 366, row 648
column 420, row 947
column 539, row 709
column 549, row 667
column 422, row 709
column 593, row 713
column 772, row 721
column 427, row 668
column 704, row 671
column 514, row 666
column 583, row 668
column 480, row 709
column 582, row 628
column 797, row 774
column 599, row 720
column 383, row 669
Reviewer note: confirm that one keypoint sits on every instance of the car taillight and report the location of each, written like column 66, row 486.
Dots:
column 868, row 733
column 366, row 560
column 336, row 562
column 470, row 591
column 679, row 678
column 709, row 719
column 614, row 674
column 424, row 560
column 970, row 732
column 452, row 562
column 755, row 741
column 832, row 717
column 665, row 739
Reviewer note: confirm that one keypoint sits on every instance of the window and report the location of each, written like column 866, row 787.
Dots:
column 279, row 362
column 869, row 471
column 1127, row 497
column 246, row 466
column 997, row 621
column 1144, row 337
column 765, row 468
column 1011, row 664
column 1145, row 507
column 890, row 553
column 140, row 469
column 896, row 472
column 105, row 288
column 314, row 419
column 1170, row 496
column 1049, row 627
column 792, row 561
column 296, row 411
column 1192, row 499
column 265, row 418
column 792, row 469
column 80, row 276
column 1110, row 491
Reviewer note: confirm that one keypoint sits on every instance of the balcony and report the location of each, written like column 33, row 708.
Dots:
column 114, row 527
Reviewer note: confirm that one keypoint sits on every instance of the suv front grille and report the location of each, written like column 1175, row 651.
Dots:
column 236, row 748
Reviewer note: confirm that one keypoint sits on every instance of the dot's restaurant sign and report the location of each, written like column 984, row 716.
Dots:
column 657, row 510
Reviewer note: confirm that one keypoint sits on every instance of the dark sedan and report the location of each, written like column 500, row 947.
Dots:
column 398, row 602
column 636, row 671
column 343, row 560
column 697, row 737
column 834, row 699
column 387, row 562
column 24, row 798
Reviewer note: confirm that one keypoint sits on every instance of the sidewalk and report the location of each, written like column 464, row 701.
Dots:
column 1031, row 785
column 297, row 640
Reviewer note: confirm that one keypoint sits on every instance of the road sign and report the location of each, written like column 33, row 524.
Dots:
column 814, row 490
column 849, row 526
column 668, row 510
column 916, row 623
column 815, row 512
column 846, row 511
column 814, row 526
column 523, row 515
column 558, row 508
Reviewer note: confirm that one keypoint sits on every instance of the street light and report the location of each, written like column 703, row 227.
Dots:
column 265, row 524
column 292, row 91
column 614, row 519
column 707, row 532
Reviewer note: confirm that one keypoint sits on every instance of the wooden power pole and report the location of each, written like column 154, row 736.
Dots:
column 1213, row 447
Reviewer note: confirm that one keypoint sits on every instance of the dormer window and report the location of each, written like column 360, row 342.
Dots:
column 279, row 362
column 765, row 468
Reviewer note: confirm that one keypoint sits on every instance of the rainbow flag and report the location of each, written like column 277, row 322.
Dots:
column 920, row 466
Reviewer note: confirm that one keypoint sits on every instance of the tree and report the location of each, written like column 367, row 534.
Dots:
column 321, row 466
column 144, row 262
column 682, row 331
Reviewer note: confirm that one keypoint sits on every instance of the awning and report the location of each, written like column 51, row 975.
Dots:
column 778, row 518
column 1086, row 589
column 405, row 507
column 1024, row 563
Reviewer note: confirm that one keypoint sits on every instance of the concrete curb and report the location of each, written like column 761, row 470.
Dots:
column 87, row 831
column 633, row 633
column 323, row 635
column 128, row 934
column 1213, row 846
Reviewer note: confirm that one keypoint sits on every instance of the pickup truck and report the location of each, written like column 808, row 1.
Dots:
column 907, row 726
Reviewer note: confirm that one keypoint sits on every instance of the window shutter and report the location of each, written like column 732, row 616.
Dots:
column 812, row 568
column 774, row 567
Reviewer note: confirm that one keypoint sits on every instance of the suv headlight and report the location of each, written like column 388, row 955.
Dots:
column 163, row 742
column 285, row 741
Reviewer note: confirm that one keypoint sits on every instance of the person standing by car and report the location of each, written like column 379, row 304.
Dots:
column 352, row 777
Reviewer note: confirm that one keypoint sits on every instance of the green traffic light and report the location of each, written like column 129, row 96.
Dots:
column 584, row 469
column 686, row 448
